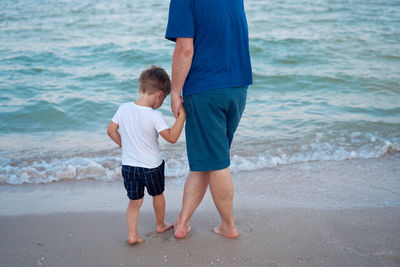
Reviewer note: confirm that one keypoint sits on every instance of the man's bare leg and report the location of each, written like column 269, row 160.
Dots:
column 159, row 210
column 195, row 187
column 132, row 216
column 221, row 187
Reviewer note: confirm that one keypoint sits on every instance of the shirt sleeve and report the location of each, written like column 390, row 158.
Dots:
column 116, row 118
column 180, row 20
column 159, row 122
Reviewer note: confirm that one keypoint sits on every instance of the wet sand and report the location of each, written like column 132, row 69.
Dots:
column 269, row 237
column 317, row 230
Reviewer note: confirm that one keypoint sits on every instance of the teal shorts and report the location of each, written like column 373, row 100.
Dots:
column 212, row 118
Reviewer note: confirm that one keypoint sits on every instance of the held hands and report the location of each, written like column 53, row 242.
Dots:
column 172, row 135
column 176, row 104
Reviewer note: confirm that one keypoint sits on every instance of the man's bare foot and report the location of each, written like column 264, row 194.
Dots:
column 181, row 231
column 163, row 228
column 231, row 233
column 133, row 241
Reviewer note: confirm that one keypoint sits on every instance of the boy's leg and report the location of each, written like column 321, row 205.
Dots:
column 159, row 210
column 154, row 180
column 195, row 187
column 221, row 188
column 132, row 216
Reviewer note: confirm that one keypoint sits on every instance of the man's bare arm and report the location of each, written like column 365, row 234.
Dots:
column 181, row 63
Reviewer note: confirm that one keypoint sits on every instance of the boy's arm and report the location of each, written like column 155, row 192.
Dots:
column 172, row 135
column 112, row 131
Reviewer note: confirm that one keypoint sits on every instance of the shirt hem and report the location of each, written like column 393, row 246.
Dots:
column 141, row 165
column 208, row 88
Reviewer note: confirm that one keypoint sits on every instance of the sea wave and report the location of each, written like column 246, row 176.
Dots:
column 107, row 167
column 320, row 152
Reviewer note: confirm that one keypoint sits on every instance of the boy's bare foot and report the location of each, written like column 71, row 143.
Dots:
column 181, row 231
column 231, row 233
column 133, row 241
column 163, row 228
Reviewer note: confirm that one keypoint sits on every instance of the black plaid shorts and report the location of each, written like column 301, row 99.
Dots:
column 136, row 178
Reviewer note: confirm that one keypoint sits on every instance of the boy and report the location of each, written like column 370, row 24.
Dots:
column 135, row 128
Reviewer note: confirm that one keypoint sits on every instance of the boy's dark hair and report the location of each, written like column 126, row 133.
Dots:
column 154, row 79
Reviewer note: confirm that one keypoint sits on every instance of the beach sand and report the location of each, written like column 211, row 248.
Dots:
column 277, row 237
column 307, row 230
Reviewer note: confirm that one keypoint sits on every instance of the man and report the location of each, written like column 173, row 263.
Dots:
column 211, row 64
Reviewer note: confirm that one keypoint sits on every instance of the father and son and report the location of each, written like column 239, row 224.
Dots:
column 211, row 68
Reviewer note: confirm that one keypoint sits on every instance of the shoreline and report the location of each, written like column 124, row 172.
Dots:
column 342, row 184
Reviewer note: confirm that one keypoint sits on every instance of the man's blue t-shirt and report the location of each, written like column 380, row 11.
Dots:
column 221, row 44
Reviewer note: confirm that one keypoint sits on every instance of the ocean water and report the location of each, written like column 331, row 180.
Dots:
column 326, row 84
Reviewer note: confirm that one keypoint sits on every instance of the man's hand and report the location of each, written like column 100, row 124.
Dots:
column 176, row 103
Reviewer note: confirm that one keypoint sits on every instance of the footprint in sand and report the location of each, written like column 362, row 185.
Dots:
column 150, row 234
column 246, row 228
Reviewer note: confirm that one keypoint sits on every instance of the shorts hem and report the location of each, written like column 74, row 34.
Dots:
column 209, row 167
column 154, row 195
column 133, row 198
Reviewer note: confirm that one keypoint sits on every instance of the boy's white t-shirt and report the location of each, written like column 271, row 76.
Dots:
column 139, row 127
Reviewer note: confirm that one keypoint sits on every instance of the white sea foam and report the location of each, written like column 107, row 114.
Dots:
column 108, row 166
column 318, row 152
column 77, row 168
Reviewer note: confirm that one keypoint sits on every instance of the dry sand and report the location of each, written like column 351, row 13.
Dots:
column 270, row 234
